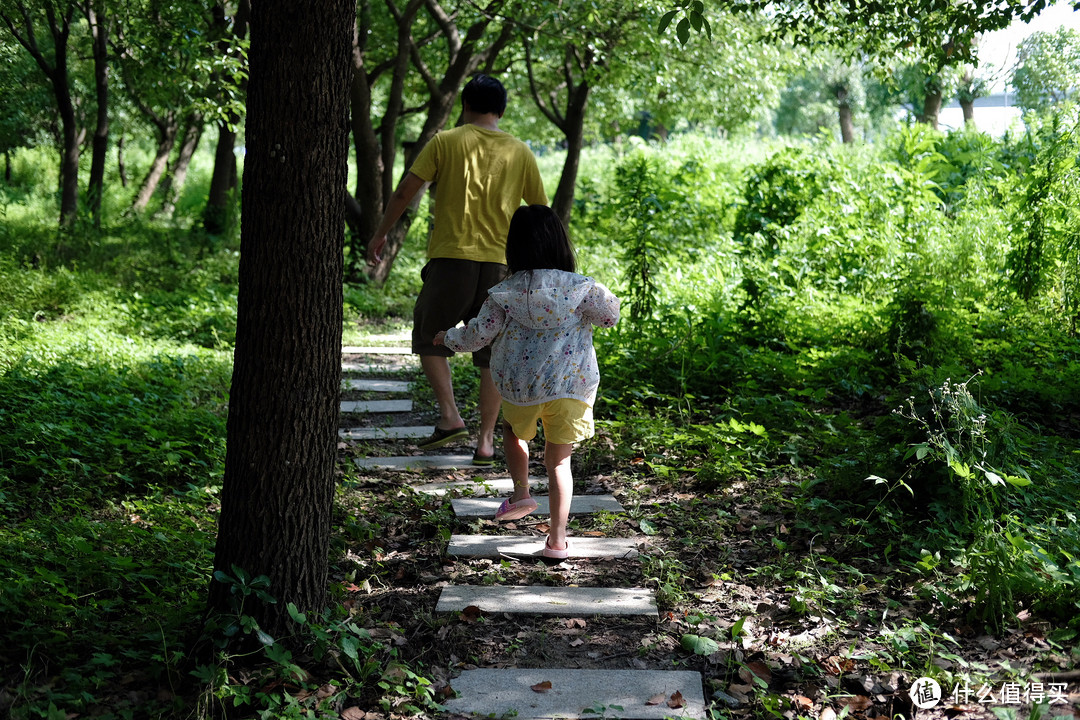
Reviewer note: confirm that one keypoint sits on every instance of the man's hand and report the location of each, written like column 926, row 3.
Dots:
column 439, row 338
column 374, row 250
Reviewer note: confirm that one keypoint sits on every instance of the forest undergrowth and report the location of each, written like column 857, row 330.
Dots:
column 842, row 407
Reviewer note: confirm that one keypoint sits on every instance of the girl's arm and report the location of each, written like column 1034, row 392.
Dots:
column 480, row 331
column 600, row 306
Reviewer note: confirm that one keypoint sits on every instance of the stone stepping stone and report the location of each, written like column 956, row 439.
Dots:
column 372, row 385
column 579, row 505
column 418, row 462
column 531, row 546
column 369, row 368
column 494, row 486
column 377, row 406
column 543, row 600
column 395, row 338
column 385, row 433
column 366, row 350
column 508, row 693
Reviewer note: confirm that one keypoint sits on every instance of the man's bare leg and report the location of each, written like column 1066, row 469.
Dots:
column 490, row 403
column 437, row 371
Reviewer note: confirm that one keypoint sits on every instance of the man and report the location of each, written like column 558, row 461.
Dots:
column 482, row 175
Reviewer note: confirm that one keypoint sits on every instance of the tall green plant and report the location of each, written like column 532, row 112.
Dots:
column 1046, row 256
column 643, row 240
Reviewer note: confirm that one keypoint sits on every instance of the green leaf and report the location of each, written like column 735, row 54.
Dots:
column 295, row 614
column 350, row 646
column 263, row 637
column 665, row 21
column 648, row 527
column 737, row 628
column 699, row 645
column 682, row 31
column 1017, row 481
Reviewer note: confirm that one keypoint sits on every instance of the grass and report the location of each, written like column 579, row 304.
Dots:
column 741, row 431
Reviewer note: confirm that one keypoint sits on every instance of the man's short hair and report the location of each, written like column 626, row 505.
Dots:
column 484, row 94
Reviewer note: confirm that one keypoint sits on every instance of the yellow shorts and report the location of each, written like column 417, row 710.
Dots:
column 566, row 421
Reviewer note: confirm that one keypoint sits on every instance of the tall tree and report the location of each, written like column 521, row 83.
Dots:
column 435, row 53
column 24, row 21
column 564, row 62
column 1048, row 69
column 97, row 18
column 284, row 401
column 230, row 28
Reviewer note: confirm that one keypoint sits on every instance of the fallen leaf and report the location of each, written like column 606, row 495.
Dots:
column 353, row 713
column 827, row 713
column 676, row 700
column 541, row 687
column 470, row 613
column 543, row 527
column 838, row 665
column 656, row 699
column 802, row 703
column 577, row 643
column 856, row 702
column 593, row 533
column 756, row 669
column 575, row 622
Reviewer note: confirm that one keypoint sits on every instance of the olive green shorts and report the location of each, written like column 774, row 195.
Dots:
column 453, row 292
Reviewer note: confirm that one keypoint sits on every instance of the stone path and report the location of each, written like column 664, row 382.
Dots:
column 535, row 693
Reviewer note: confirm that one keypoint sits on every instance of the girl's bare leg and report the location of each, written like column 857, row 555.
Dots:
column 517, row 462
column 560, row 491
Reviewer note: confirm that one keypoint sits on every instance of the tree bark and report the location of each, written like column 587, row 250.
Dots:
column 284, row 403
column 99, row 31
column 218, row 212
column 56, row 70
column 174, row 183
column 167, row 128
column 574, row 129
column 222, row 182
column 121, row 168
column 932, row 107
column 968, row 108
column 844, row 114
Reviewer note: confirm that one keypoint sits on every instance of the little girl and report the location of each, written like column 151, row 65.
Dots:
column 542, row 358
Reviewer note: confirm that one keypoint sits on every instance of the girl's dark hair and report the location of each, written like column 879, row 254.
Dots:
column 538, row 241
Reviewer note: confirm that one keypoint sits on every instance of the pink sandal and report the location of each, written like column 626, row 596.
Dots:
column 550, row 552
column 513, row 511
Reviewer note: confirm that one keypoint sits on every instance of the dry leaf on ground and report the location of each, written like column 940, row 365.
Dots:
column 656, row 699
column 676, row 700
column 541, row 687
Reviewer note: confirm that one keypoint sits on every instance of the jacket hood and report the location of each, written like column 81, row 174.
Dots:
column 542, row 299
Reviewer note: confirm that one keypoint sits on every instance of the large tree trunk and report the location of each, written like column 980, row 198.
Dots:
column 574, row 129
column 283, row 409
column 99, row 31
column 968, row 108
column 167, row 127
column 222, row 182
column 932, row 106
column 69, row 153
column 844, row 115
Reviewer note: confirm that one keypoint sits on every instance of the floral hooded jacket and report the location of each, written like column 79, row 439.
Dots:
column 541, row 323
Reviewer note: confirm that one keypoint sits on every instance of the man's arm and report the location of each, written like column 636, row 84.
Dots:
column 407, row 189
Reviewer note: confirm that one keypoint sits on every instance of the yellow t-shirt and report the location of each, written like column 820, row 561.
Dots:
column 481, row 178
